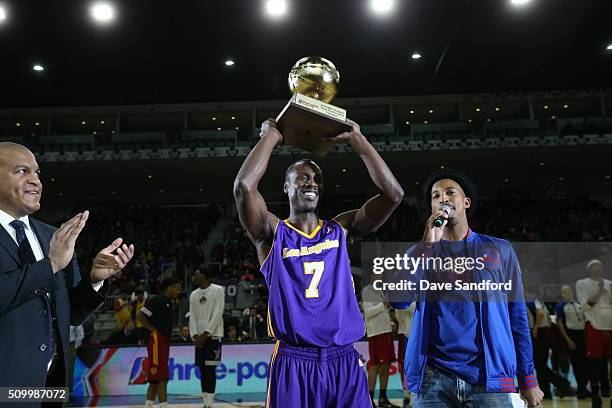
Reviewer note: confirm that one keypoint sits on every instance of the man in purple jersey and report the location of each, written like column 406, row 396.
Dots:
column 313, row 310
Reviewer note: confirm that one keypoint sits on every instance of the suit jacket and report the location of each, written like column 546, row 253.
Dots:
column 259, row 326
column 24, row 327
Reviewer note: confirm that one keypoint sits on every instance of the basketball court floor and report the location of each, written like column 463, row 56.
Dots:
column 257, row 401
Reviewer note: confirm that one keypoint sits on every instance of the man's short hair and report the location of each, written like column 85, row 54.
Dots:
column 468, row 186
column 167, row 282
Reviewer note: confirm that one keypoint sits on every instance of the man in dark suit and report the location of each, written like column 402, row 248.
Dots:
column 253, row 326
column 42, row 292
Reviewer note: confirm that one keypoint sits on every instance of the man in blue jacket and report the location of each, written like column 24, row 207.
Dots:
column 468, row 349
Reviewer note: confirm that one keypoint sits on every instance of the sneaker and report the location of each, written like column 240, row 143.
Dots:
column 385, row 403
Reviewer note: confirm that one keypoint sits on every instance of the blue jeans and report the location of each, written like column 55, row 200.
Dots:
column 442, row 389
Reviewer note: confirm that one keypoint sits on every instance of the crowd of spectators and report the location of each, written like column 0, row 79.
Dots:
column 171, row 242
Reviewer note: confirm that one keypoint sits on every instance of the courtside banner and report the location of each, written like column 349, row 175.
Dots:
column 117, row 371
column 482, row 270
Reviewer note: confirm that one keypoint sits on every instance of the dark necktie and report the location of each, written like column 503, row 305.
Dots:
column 26, row 255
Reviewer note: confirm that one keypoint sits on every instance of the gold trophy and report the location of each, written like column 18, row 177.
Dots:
column 308, row 119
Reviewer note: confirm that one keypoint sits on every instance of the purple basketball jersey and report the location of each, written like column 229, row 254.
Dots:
column 312, row 296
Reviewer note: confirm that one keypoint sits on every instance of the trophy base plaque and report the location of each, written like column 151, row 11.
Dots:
column 306, row 123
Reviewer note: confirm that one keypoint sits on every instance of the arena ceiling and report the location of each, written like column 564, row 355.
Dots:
column 175, row 52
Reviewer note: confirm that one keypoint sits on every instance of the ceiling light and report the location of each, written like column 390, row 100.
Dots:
column 214, row 118
column 519, row 2
column 2, row 14
column 229, row 62
column 431, row 111
column 469, row 120
column 477, row 109
column 407, row 122
column 488, row 119
column 412, row 112
column 18, row 124
column 609, row 47
column 416, row 56
column 425, row 122
column 545, row 106
column 565, row 106
column 102, row 13
column 276, row 8
column 237, row 128
column 38, row 68
column 233, row 118
column 101, row 122
column 497, row 109
column 218, row 128
column 381, row 6
column 83, row 123
column 37, row 124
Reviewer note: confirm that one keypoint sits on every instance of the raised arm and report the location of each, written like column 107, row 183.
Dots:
column 252, row 209
column 376, row 210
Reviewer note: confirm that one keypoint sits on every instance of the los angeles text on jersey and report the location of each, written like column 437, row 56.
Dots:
column 309, row 250
column 424, row 284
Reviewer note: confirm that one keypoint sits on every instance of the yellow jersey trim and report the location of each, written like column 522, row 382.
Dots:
column 309, row 236
column 274, row 353
column 270, row 328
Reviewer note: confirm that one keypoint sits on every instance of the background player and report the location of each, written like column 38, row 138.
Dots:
column 206, row 305
column 157, row 316
column 313, row 310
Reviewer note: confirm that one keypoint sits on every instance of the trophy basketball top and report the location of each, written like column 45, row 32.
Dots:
column 315, row 77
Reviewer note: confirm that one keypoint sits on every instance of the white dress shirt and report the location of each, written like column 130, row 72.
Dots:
column 6, row 219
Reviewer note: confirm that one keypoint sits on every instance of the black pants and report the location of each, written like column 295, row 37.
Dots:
column 578, row 358
column 546, row 376
column 599, row 375
column 207, row 359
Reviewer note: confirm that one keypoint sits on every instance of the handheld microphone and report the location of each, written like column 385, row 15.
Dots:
column 440, row 220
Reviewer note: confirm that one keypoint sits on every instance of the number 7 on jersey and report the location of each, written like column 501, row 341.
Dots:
column 316, row 269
